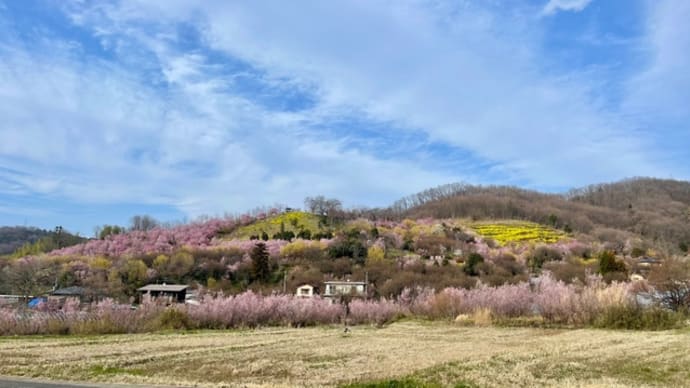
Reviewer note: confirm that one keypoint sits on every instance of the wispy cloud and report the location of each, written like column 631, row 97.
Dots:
column 554, row 6
column 465, row 76
column 215, row 106
column 96, row 132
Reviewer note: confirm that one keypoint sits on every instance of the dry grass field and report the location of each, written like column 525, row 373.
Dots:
column 402, row 354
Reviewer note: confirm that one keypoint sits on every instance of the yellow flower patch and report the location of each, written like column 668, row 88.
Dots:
column 509, row 232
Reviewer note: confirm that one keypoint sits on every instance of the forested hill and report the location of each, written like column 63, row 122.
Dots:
column 655, row 209
column 21, row 241
column 13, row 237
column 666, row 196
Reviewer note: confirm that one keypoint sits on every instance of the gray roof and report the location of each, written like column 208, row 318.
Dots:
column 69, row 291
column 342, row 282
column 164, row 287
column 650, row 260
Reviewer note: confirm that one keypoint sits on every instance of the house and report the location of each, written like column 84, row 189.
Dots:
column 648, row 262
column 336, row 289
column 6, row 300
column 175, row 292
column 61, row 294
column 305, row 291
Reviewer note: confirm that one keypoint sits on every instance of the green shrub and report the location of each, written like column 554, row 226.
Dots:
column 608, row 263
column 173, row 318
column 639, row 318
column 637, row 252
column 394, row 383
column 541, row 255
column 473, row 260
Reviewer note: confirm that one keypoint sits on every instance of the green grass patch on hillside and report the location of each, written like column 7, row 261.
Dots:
column 516, row 232
column 291, row 221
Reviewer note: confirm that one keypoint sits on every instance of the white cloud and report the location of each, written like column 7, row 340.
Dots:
column 663, row 87
column 554, row 6
column 167, row 125
column 467, row 76
column 657, row 97
column 94, row 132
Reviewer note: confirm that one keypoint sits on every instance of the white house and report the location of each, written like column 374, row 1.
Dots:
column 305, row 291
column 335, row 289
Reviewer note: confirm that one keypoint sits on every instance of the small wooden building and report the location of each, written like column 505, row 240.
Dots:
column 305, row 291
column 176, row 292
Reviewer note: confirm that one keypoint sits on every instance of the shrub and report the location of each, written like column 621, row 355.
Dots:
column 174, row 318
column 637, row 252
column 671, row 282
column 375, row 312
column 608, row 263
column 542, row 255
column 567, row 271
column 303, row 249
column 250, row 310
column 471, row 263
column 376, row 253
column 348, row 247
column 481, row 317
column 633, row 317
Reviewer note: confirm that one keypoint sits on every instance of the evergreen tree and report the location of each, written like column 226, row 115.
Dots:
column 260, row 265
column 471, row 264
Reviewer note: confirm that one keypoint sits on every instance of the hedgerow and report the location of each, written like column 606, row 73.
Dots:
column 595, row 303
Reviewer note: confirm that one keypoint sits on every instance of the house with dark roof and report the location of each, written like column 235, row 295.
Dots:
column 83, row 294
column 174, row 292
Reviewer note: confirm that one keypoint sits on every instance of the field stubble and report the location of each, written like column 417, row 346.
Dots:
column 436, row 354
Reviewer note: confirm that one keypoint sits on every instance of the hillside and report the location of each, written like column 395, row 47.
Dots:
column 451, row 236
column 655, row 210
column 296, row 222
column 13, row 237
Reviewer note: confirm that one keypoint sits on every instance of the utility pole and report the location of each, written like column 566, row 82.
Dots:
column 58, row 236
column 366, row 285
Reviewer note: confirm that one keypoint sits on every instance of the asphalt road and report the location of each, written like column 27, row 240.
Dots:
column 12, row 382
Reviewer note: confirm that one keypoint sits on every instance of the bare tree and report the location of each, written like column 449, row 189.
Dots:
column 28, row 277
column 671, row 280
column 331, row 208
column 143, row 223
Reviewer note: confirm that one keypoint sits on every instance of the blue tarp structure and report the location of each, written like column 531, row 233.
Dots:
column 36, row 301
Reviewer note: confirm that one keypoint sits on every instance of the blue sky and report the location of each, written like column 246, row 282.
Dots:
column 180, row 109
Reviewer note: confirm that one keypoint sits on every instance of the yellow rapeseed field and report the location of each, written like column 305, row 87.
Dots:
column 417, row 353
column 508, row 232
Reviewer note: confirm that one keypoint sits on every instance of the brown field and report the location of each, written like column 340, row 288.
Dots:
column 413, row 353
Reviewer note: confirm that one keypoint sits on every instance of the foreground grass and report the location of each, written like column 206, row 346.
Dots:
column 405, row 354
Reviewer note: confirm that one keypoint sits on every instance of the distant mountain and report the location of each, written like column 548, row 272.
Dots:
column 13, row 237
column 30, row 240
column 655, row 210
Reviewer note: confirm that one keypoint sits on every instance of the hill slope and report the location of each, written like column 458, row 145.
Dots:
column 294, row 221
column 13, row 237
column 655, row 210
